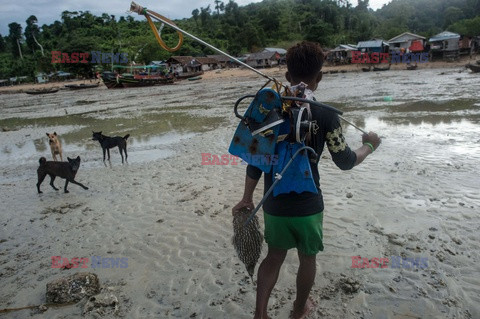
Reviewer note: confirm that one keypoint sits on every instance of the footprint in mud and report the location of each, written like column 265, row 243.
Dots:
column 64, row 209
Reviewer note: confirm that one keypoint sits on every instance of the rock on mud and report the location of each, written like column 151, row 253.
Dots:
column 72, row 288
column 102, row 304
column 349, row 285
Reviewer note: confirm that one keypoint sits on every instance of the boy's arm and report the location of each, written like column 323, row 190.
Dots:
column 370, row 143
column 251, row 181
column 344, row 157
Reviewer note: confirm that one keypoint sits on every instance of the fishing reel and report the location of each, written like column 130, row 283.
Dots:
column 301, row 124
column 295, row 120
column 269, row 120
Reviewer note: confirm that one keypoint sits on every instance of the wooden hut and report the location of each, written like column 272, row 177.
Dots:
column 208, row 63
column 406, row 42
column 374, row 45
column 263, row 59
column 445, row 45
column 184, row 64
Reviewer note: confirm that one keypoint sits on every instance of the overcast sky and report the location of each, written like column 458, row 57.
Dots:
column 47, row 11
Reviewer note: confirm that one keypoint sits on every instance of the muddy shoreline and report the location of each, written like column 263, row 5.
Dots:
column 415, row 198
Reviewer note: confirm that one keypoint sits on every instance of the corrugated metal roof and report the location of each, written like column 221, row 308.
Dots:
column 261, row 56
column 404, row 37
column 344, row 47
column 445, row 35
column 279, row 50
column 371, row 44
column 219, row 57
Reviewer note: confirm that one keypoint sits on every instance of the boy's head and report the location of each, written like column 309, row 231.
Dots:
column 304, row 64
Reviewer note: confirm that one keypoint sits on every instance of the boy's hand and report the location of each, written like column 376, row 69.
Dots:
column 243, row 204
column 372, row 138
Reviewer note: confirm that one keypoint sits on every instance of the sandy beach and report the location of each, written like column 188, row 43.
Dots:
column 414, row 198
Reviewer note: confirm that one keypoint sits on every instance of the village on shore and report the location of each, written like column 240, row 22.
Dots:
column 405, row 51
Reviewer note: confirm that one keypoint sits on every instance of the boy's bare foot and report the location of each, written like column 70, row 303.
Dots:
column 302, row 313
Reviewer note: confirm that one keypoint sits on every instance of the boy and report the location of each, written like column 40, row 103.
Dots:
column 295, row 220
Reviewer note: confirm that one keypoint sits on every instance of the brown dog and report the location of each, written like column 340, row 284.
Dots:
column 66, row 170
column 55, row 146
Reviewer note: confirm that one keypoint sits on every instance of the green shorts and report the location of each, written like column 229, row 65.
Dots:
column 304, row 233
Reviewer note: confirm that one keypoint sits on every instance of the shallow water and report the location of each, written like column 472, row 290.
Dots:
column 153, row 130
column 429, row 104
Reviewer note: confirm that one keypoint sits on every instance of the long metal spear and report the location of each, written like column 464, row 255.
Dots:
column 134, row 7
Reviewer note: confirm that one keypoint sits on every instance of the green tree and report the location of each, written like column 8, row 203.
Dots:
column 3, row 45
column 205, row 15
column 15, row 36
column 219, row 6
column 195, row 15
column 31, row 33
column 452, row 15
column 320, row 32
column 468, row 27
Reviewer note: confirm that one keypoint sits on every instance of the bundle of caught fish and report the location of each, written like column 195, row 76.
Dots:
column 247, row 239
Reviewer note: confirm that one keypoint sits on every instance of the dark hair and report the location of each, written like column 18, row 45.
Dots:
column 304, row 60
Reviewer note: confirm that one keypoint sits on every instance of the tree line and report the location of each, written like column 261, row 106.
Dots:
column 230, row 27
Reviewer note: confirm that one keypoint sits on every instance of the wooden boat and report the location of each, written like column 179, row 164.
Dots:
column 42, row 91
column 367, row 69
column 376, row 68
column 411, row 67
column 131, row 80
column 127, row 80
column 81, row 86
column 473, row 67
column 111, row 80
column 187, row 75
column 195, row 78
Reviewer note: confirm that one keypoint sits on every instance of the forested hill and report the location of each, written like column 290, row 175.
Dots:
column 235, row 29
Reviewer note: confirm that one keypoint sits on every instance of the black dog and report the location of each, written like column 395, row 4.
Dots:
column 66, row 170
column 107, row 142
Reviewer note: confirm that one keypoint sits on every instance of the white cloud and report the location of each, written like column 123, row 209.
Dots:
column 378, row 4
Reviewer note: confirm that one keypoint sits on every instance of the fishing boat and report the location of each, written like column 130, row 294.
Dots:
column 188, row 75
column 115, row 80
column 195, row 78
column 473, row 67
column 138, row 80
column 111, row 80
column 42, row 91
column 367, row 69
column 81, row 86
column 376, row 68
column 411, row 67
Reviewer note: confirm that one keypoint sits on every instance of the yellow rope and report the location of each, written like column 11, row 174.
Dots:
column 157, row 35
